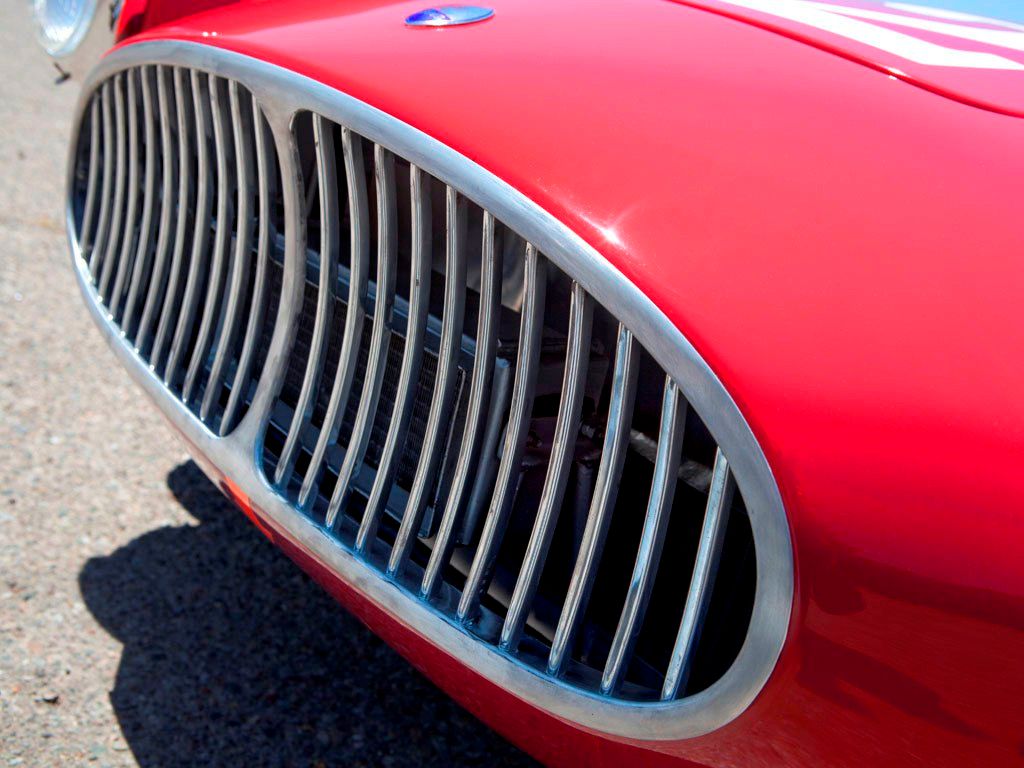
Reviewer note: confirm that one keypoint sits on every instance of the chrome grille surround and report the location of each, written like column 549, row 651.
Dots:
column 281, row 94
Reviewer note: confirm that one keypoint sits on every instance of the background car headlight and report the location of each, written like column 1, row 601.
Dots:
column 61, row 25
column 76, row 32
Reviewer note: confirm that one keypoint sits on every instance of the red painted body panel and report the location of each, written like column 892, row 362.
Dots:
column 846, row 252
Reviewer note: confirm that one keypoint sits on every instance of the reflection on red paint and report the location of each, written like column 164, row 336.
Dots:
column 233, row 492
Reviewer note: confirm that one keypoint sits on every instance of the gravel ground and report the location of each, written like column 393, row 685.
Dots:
column 143, row 621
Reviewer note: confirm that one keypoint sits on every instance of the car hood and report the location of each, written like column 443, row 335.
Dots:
column 968, row 50
column 843, row 249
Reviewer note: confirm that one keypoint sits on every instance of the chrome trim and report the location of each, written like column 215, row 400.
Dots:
column 380, row 341
column 158, row 280
column 527, row 362
column 606, row 490
column 264, row 185
column 412, row 357
column 108, row 174
column 241, row 129
column 479, row 399
column 355, row 312
column 93, row 180
column 444, row 382
column 200, row 235
column 181, row 103
column 81, row 25
column 133, row 183
column 282, row 93
column 574, row 381
column 327, row 185
column 89, row 41
column 141, row 259
column 652, row 539
column 221, row 242
column 709, row 550
column 106, row 269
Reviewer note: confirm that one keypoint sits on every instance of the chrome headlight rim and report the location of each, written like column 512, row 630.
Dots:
column 92, row 32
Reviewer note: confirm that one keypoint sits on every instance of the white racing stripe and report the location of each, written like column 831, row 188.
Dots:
column 1000, row 38
column 943, row 13
column 838, row 20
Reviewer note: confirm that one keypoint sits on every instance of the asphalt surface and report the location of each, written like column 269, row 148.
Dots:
column 143, row 620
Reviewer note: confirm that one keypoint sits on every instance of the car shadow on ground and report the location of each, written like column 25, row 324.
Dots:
column 232, row 656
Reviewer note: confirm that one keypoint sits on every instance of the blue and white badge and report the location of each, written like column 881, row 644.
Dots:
column 449, row 16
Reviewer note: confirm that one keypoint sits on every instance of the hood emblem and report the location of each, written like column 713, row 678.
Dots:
column 449, row 16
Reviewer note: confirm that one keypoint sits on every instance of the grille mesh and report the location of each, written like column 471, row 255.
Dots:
column 175, row 181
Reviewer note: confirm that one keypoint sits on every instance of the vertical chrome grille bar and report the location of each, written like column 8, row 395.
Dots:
column 652, row 539
column 609, row 473
column 327, row 181
column 200, row 232
column 444, row 381
column 705, row 567
column 140, row 263
column 170, row 309
column 523, row 389
column 563, row 445
column 266, row 183
column 157, row 280
column 355, row 313
column 241, row 129
column 116, row 232
column 412, row 356
column 108, row 180
column 479, row 395
column 124, row 260
column 91, row 183
column 387, row 258
column 221, row 242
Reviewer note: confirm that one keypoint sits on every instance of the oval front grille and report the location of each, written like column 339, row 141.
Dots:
column 175, row 181
column 434, row 386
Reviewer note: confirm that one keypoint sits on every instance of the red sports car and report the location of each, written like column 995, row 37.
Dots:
column 647, row 372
